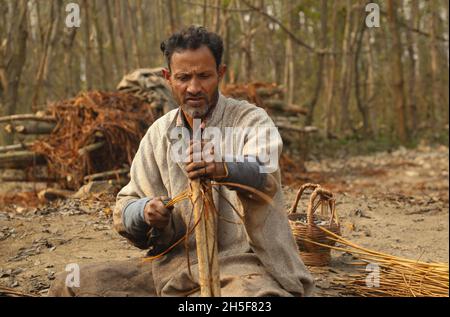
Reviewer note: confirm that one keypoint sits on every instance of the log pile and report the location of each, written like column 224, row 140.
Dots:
column 93, row 133
column 266, row 95
column 270, row 97
column 287, row 117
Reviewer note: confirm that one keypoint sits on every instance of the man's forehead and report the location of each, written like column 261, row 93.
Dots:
column 198, row 60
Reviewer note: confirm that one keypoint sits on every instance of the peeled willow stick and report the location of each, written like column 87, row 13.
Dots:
column 28, row 116
column 205, row 235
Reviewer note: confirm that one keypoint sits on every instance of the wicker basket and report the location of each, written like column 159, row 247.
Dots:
column 305, row 226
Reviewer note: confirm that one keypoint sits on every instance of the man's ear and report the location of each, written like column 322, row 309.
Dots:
column 166, row 74
column 222, row 70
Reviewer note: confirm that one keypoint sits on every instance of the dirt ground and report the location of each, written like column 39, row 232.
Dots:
column 397, row 203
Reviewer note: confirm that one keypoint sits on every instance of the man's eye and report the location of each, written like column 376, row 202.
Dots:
column 204, row 76
column 183, row 78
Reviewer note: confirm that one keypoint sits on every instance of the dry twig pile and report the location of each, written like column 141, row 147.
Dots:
column 398, row 276
column 95, row 132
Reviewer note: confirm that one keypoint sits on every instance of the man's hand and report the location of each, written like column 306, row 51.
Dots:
column 206, row 167
column 155, row 214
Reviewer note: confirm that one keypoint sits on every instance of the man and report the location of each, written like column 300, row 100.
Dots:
column 257, row 253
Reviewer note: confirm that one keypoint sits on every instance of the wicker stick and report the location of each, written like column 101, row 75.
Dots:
column 211, row 221
column 400, row 276
column 208, row 266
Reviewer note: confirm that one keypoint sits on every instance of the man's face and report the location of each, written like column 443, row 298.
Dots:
column 194, row 80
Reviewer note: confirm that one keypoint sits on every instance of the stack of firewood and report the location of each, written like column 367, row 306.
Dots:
column 91, row 134
column 287, row 117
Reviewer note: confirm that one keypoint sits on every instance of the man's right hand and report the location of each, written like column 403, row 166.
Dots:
column 155, row 214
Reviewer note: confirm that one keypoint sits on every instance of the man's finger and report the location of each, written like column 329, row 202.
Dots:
column 163, row 211
column 156, row 204
column 201, row 172
column 195, row 166
column 195, row 174
column 158, row 221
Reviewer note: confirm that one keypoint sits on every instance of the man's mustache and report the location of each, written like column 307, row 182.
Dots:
column 197, row 96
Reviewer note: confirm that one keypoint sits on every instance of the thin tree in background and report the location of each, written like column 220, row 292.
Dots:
column 397, row 70
column 412, row 66
column 50, row 37
column 331, row 78
column 434, row 105
column 112, row 39
column 346, row 72
column 86, row 73
column 320, row 62
column 120, row 26
column 289, row 66
column 100, row 45
column 13, row 54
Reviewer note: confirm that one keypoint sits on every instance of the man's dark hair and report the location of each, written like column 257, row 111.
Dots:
column 193, row 38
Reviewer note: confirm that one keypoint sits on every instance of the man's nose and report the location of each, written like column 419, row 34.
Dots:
column 194, row 86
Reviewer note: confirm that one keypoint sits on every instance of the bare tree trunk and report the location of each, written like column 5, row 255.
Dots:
column 216, row 22
column 177, row 5
column 289, row 68
column 134, row 31
column 330, row 89
column 320, row 62
column 413, row 70
column 371, row 91
column 345, row 77
column 246, row 46
column 100, row 42
column 112, row 39
column 172, row 19
column 225, row 30
column 143, row 30
column 53, row 38
column 69, row 39
column 288, row 73
column 87, row 73
column 397, row 72
column 120, row 25
column 205, row 12
column 433, row 119
column 34, row 20
column 158, row 18
column 447, row 17
column 13, row 60
column 360, row 103
column 49, row 42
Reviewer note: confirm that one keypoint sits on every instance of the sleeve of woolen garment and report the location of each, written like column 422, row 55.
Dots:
column 133, row 219
column 245, row 173
column 145, row 182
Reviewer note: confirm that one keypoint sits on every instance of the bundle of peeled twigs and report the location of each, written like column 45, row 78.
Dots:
column 95, row 132
column 389, row 275
column 205, row 217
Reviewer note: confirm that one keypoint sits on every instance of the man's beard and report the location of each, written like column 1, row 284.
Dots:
column 196, row 112
column 202, row 111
